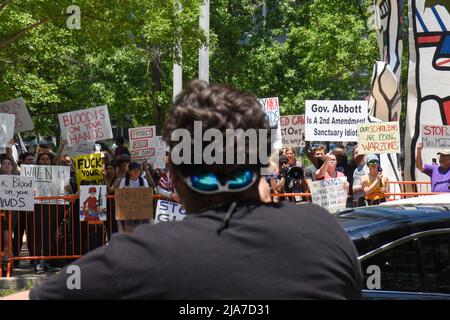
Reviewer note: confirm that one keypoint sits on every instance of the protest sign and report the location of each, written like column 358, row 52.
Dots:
column 82, row 148
column 134, row 203
column 16, row 193
column 6, row 128
column 329, row 194
column 293, row 131
column 87, row 125
column 89, row 169
column 436, row 137
column 169, row 211
column 272, row 110
column 93, row 203
column 17, row 107
column 379, row 137
column 334, row 120
column 50, row 180
column 142, row 143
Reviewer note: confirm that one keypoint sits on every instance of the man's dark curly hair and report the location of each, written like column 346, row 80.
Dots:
column 221, row 107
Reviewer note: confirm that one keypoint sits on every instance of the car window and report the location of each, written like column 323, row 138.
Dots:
column 436, row 262
column 399, row 268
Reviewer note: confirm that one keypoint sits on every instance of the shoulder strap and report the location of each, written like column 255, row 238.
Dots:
column 127, row 180
column 141, row 181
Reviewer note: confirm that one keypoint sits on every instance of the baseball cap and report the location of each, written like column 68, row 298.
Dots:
column 372, row 157
column 134, row 166
column 445, row 152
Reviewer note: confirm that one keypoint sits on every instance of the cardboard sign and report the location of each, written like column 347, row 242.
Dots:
column 436, row 137
column 16, row 193
column 134, row 203
column 6, row 128
column 89, row 169
column 17, row 107
column 79, row 149
column 93, row 203
column 272, row 110
column 293, row 131
column 169, row 211
column 87, row 125
column 50, row 180
column 329, row 194
column 334, row 120
column 380, row 137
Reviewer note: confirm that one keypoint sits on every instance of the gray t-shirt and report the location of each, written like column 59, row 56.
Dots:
column 310, row 172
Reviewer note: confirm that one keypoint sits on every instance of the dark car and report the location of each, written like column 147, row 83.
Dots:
column 407, row 246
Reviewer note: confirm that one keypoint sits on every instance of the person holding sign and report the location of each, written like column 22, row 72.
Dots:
column 328, row 170
column 439, row 174
column 375, row 185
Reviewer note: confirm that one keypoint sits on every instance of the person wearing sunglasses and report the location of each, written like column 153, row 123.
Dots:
column 375, row 185
column 231, row 245
column 439, row 174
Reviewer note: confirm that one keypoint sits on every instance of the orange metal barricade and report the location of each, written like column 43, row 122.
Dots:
column 53, row 231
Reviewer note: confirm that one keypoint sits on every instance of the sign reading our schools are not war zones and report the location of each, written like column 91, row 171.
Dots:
column 329, row 194
column 88, row 169
column 134, row 203
column 16, row 193
column 6, row 128
column 293, row 131
column 169, row 211
column 50, row 180
column 272, row 109
column 379, row 137
column 436, row 137
column 85, row 125
column 330, row 120
column 93, row 203
column 17, row 107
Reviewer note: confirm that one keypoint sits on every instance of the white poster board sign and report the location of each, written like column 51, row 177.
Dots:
column 93, row 203
column 50, row 180
column 169, row 211
column 436, row 137
column 87, row 125
column 272, row 109
column 331, row 120
column 293, row 131
column 6, row 128
column 329, row 194
column 16, row 193
column 17, row 107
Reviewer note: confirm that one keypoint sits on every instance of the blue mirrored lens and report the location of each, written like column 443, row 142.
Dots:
column 205, row 183
column 241, row 180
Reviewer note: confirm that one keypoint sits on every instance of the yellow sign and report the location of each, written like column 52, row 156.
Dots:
column 89, row 169
column 381, row 137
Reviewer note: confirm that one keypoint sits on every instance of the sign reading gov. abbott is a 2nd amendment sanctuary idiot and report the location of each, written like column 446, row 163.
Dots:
column 334, row 120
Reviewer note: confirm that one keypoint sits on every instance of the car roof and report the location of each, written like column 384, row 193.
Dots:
column 372, row 227
column 436, row 199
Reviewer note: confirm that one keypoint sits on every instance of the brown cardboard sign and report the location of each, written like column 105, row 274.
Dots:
column 134, row 203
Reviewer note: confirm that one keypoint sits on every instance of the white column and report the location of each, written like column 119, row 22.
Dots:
column 203, row 59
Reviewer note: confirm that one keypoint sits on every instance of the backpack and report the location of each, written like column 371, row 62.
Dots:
column 127, row 181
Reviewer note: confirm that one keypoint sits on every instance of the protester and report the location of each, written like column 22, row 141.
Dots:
column 318, row 153
column 110, row 178
column 231, row 245
column 375, row 185
column 360, row 171
column 292, row 157
column 133, row 179
column 328, row 170
column 26, row 158
column 123, row 161
column 439, row 174
column 121, row 148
